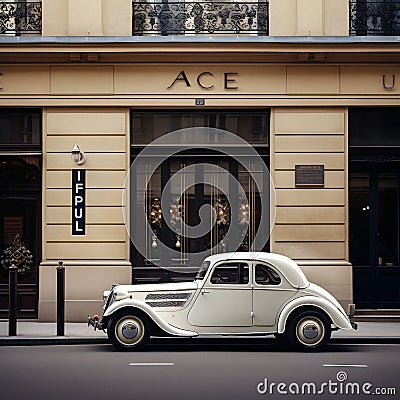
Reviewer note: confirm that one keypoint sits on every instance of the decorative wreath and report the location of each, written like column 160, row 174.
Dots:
column 18, row 254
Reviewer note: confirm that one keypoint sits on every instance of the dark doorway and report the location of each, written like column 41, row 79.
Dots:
column 374, row 237
column 374, row 190
column 20, row 205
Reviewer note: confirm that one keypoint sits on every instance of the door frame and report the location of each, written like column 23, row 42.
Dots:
column 373, row 165
column 32, row 193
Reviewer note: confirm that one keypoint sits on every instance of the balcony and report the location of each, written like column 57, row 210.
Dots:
column 377, row 18
column 197, row 18
column 20, row 18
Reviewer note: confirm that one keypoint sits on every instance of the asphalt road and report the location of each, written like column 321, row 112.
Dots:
column 218, row 369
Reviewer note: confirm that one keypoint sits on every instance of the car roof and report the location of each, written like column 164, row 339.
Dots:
column 285, row 265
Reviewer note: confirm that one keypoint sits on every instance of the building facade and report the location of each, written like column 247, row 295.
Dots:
column 312, row 85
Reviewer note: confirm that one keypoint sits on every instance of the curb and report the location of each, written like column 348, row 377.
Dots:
column 42, row 341
column 367, row 340
column 46, row 341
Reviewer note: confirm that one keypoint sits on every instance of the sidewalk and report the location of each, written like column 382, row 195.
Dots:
column 34, row 332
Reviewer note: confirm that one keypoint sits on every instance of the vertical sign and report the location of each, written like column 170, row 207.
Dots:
column 78, row 201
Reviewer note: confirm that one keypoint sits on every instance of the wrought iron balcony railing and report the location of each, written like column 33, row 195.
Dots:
column 20, row 18
column 182, row 18
column 371, row 17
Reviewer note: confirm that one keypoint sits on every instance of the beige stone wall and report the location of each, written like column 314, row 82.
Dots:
column 101, row 257
column 55, row 17
column 87, row 18
column 309, row 18
column 311, row 223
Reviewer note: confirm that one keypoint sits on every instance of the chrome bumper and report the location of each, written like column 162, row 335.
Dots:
column 354, row 325
column 351, row 310
column 94, row 322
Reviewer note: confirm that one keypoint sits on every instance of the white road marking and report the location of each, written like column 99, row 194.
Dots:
column 346, row 365
column 151, row 364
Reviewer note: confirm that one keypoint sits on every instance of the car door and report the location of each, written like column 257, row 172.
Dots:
column 270, row 291
column 226, row 297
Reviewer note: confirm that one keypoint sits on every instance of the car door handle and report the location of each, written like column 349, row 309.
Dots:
column 204, row 291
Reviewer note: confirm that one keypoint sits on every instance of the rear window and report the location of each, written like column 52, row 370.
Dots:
column 265, row 275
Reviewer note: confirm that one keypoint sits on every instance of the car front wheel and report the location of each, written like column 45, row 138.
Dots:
column 309, row 330
column 128, row 331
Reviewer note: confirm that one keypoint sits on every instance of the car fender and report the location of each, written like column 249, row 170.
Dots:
column 132, row 303
column 336, row 316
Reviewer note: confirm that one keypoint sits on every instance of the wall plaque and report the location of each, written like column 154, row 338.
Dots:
column 309, row 175
column 78, row 201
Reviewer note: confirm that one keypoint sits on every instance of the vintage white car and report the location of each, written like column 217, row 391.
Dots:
column 233, row 293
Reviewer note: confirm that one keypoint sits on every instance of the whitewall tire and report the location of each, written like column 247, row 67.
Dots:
column 128, row 330
column 309, row 330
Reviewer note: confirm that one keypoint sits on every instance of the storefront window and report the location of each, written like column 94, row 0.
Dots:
column 196, row 197
column 251, row 126
column 20, row 128
column 185, row 206
column 373, row 126
column 20, row 205
column 19, row 184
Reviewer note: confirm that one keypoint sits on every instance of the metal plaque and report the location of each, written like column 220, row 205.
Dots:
column 309, row 175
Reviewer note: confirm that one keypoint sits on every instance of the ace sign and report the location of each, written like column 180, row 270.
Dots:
column 78, row 201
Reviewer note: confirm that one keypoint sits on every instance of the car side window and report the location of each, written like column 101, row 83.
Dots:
column 231, row 273
column 265, row 275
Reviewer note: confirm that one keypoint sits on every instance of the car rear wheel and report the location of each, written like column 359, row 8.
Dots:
column 128, row 331
column 309, row 330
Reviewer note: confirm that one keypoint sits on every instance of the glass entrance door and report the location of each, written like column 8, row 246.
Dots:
column 374, row 237
column 186, row 209
column 20, row 230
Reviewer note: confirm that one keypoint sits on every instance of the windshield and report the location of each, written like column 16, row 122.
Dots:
column 203, row 270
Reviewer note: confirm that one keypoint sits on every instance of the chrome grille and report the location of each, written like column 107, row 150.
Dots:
column 167, row 296
column 171, row 303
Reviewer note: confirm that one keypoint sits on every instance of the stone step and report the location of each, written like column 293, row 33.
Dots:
column 377, row 315
column 377, row 318
column 379, row 311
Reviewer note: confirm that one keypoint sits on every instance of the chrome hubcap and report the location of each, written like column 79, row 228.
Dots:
column 129, row 330
column 310, row 331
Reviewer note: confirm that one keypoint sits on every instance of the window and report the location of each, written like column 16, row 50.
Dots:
column 232, row 273
column 186, row 203
column 252, row 125
column 20, row 129
column 266, row 275
column 203, row 270
column 20, row 17
column 374, row 17
column 198, row 185
column 374, row 126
